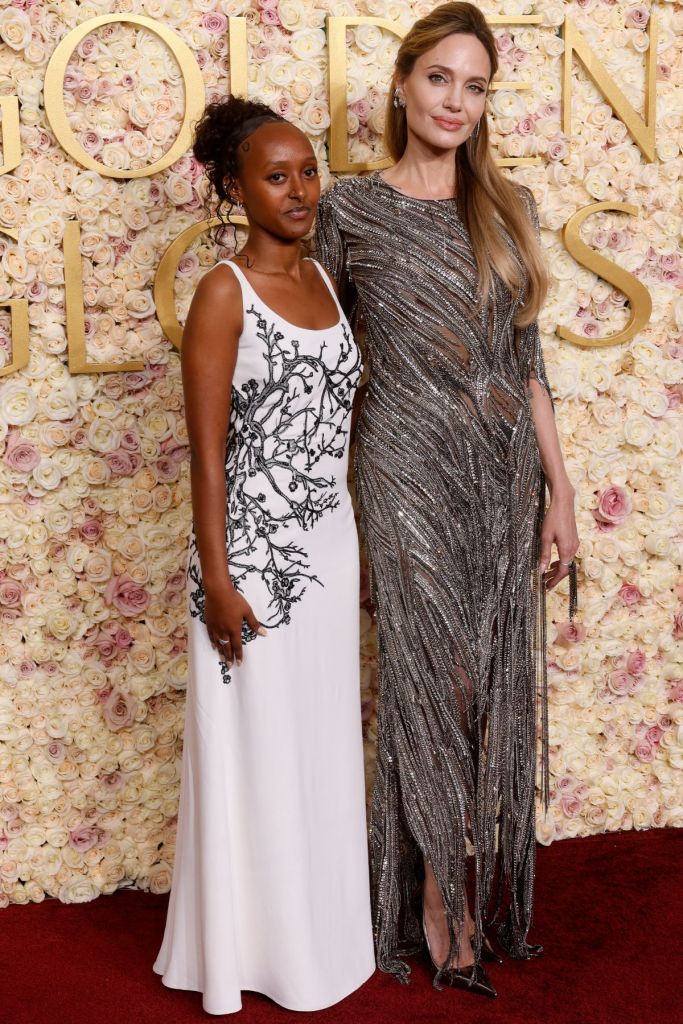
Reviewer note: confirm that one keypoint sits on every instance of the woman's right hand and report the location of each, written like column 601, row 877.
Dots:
column 225, row 609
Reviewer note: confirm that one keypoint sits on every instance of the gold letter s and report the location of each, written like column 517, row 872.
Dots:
column 637, row 294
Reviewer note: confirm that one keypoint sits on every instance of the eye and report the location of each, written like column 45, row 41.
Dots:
column 277, row 177
column 311, row 172
column 435, row 75
column 478, row 89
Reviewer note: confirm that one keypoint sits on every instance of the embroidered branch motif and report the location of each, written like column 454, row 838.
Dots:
column 283, row 429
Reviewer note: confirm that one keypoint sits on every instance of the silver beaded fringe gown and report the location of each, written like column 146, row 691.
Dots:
column 451, row 491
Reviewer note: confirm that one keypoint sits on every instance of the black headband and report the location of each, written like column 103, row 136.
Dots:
column 252, row 123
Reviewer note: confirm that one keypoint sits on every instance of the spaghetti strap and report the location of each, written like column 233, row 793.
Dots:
column 326, row 279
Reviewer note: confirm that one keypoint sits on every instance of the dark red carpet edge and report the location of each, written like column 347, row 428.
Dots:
column 608, row 910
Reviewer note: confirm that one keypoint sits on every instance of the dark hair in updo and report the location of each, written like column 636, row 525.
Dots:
column 217, row 137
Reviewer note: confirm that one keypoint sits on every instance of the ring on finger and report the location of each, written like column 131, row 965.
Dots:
column 224, row 642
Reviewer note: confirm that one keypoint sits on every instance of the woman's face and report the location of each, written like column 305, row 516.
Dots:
column 278, row 181
column 445, row 93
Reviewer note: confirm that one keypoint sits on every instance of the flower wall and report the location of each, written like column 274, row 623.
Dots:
column 94, row 495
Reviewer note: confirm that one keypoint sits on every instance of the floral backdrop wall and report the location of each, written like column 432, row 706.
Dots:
column 94, row 495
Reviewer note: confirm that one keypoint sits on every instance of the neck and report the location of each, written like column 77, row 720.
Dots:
column 270, row 254
column 424, row 171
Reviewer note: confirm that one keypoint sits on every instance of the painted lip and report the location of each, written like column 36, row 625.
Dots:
column 449, row 126
column 298, row 212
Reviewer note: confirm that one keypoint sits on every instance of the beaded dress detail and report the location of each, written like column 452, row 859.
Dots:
column 451, row 491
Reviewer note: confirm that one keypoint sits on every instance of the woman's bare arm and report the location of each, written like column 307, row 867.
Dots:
column 209, row 355
column 559, row 525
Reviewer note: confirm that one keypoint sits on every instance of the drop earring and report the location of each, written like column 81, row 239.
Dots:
column 398, row 99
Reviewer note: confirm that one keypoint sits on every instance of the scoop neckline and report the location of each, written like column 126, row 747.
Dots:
column 274, row 312
column 377, row 176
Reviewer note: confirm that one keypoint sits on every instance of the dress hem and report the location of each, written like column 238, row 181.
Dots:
column 308, row 1008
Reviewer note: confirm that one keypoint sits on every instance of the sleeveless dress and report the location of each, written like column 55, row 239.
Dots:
column 450, row 492
column 270, row 885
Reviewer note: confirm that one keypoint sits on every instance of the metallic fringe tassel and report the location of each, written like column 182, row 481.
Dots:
column 573, row 591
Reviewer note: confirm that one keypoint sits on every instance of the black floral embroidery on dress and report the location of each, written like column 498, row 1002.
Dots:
column 281, row 427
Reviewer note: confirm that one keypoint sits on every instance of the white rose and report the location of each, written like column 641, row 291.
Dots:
column 508, row 104
column 15, row 28
column 78, row 890
column 47, row 475
column 638, row 431
column 308, row 43
column 292, row 14
column 315, row 116
column 18, row 404
column 102, row 436
column 87, row 185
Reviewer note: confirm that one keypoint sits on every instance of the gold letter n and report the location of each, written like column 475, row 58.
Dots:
column 642, row 129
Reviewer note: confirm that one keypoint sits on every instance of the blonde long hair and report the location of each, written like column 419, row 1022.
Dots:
column 483, row 195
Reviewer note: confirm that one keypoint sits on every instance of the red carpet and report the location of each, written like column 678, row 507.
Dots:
column 608, row 910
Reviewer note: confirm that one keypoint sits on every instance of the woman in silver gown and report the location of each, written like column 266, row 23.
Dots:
column 455, row 444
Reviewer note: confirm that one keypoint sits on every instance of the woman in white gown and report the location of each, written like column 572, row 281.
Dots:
column 270, row 886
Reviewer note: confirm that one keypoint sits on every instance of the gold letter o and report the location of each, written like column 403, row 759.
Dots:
column 53, row 90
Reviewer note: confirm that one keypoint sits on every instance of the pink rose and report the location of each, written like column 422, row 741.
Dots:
column 571, row 805
column 678, row 625
column 123, row 638
column 130, row 440
column 106, row 647
column 676, row 691
column 84, row 837
column 20, row 454
column 570, row 633
column 614, row 505
column 91, row 530
column 126, row 595
column 55, row 751
column 638, row 16
column 214, row 21
column 166, row 469
column 91, row 141
column 113, row 781
column 136, row 380
column 654, row 735
column 119, row 463
column 635, row 662
column 557, row 149
column 361, row 108
column 170, row 446
column 270, row 17
column 644, row 751
column 629, row 594
column 10, row 593
column 621, row 682
column 176, row 581
column 119, row 709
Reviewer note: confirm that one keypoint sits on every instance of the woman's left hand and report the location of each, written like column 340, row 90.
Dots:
column 559, row 528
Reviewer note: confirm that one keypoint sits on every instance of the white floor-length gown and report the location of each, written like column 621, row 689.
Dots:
column 270, row 886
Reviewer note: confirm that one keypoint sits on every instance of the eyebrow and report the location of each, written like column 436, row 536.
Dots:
column 442, row 67
column 284, row 163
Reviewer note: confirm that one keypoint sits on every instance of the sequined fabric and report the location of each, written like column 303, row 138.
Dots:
column 450, row 486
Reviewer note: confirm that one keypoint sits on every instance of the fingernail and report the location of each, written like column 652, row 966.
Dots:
column 261, row 631
column 543, row 567
column 239, row 661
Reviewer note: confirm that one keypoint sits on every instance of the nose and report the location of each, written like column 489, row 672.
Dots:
column 296, row 187
column 453, row 98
